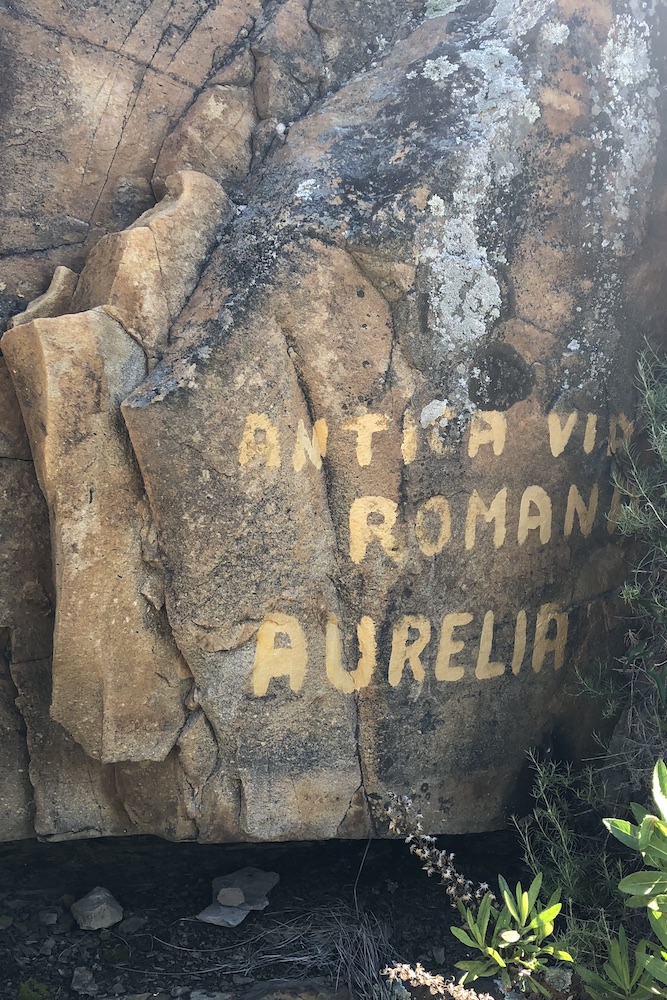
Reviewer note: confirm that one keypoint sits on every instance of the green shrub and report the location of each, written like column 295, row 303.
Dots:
column 621, row 978
column 647, row 975
column 561, row 838
column 32, row 989
column 511, row 939
column 641, row 478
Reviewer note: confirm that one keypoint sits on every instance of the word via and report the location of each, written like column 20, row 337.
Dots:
column 372, row 520
column 261, row 443
column 282, row 649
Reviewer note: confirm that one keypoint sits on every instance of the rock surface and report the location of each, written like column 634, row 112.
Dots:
column 97, row 909
column 118, row 678
column 327, row 467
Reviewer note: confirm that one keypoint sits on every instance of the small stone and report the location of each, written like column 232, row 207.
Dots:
column 222, row 916
column 64, row 925
column 5, row 922
column 204, row 995
column 439, row 955
column 48, row 917
column 231, row 896
column 96, row 910
column 83, row 982
column 47, row 946
column 131, row 925
column 253, row 883
column 180, row 991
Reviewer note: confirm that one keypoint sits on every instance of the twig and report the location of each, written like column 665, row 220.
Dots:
column 356, row 881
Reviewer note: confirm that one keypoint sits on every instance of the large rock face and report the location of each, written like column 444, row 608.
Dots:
column 325, row 436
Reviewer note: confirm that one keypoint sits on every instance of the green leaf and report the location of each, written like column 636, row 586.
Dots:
column 497, row 957
column 534, row 890
column 554, row 898
column 656, row 967
column 502, row 884
column 653, row 836
column 637, row 901
column 464, row 938
column 475, row 932
column 644, row 883
column 655, row 852
column 618, row 966
column 529, row 948
column 658, row 922
column 508, row 898
column 483, row 914
column 562, row 956
column 546, row 916
column 623, row 831
column 638, row 811
column 660, row 788
column 510, row 937
column 505, row 919
column 597, row 987
column 473, row 970
column 604, row 991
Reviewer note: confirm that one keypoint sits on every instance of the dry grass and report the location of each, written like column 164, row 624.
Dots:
column 348, row 947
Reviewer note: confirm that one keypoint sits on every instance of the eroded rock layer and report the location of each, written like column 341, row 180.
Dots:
column 325, row 436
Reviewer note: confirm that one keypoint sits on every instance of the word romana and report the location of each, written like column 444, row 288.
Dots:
column 372, row 520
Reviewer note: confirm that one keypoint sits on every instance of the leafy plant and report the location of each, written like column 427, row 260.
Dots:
column 33, row 989
column 641, row 479
column 621, row 978
column 645, row 888
column 511, row 938
column 649, row 886
column 561, row 839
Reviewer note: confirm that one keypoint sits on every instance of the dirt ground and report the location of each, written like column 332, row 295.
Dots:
column 340, row 911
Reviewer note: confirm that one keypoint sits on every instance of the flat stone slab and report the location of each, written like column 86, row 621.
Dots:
column 248, row 886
